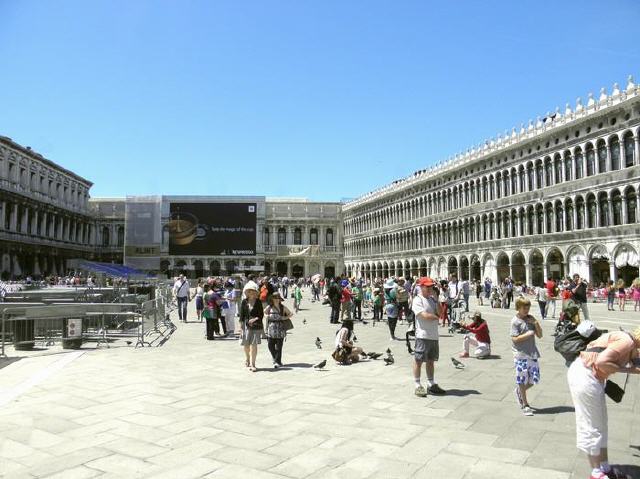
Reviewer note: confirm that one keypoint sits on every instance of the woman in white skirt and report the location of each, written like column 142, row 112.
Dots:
column 230, row 308
column 611, row 353
column 251, row 314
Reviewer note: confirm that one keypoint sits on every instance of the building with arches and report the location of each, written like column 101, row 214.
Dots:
column 552, row 198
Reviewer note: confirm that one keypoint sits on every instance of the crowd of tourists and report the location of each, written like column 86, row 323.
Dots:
column 252, row 308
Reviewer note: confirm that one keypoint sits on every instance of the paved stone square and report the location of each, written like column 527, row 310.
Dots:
column 191, row 409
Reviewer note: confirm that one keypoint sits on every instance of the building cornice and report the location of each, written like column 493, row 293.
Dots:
column 517, row 138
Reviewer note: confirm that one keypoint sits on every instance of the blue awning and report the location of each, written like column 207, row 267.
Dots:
column 111, row 269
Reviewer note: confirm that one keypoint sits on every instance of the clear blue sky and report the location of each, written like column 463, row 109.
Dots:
column 323, row 99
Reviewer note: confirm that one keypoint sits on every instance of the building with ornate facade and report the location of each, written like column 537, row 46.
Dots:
column 551, row 198
column 47, row 218
column 44, row 213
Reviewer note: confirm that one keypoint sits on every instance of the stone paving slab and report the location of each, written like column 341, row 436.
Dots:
column 191, row 409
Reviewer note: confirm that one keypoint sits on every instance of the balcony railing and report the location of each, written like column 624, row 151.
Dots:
column 299, row 250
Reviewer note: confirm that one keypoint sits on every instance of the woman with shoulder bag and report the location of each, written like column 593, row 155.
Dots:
column 251, row 314
column 278, row 319
column 615, row 352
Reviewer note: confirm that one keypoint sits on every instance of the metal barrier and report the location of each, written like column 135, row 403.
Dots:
column 63, row 319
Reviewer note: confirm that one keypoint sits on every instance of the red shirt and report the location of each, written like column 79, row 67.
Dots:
column 550, row 285
column 481, row 331
column 347, row 295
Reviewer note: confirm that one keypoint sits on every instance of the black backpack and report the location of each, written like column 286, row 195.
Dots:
column 572, row 343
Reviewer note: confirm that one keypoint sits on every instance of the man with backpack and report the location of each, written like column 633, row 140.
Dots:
column 578, row 290
column 334, row 293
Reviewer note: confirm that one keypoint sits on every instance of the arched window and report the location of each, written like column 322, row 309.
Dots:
column 523, row 180
column 540, row 218
column 297, row 236
column 616, row 199
column 282, row 237
column 602, row 157
column 530, row 178
column 579, row 165
column 615, row 153
column 631, row 199
column 540, row 175
column 514, row 182
column 329, row 237
column 559, row 218
column 558, row 167
column 628, row 150
column 604, row 209
column 548, row 170
column 120, row 236
column 106, row 240
column 569, row 211
column 266, row 240
column 567, row 169
column 313, row 236
column 548, row 215
column 579, row 213
column 591, row 212
column 591, row 162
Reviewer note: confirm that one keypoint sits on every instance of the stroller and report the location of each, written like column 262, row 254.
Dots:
column 458, row 313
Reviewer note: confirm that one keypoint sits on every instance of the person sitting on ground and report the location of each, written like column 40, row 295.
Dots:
column 478, row 337
column 346, row 352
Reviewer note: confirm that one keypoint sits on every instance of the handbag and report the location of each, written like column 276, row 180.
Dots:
column 615, row 392
column 287, row 324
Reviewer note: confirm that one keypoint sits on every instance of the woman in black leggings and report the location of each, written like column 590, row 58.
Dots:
column 275, row 314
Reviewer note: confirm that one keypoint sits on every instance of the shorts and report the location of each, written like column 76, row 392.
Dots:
column 527, row 371
column 426, row 350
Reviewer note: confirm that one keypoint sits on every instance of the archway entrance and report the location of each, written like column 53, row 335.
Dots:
column 537, row 269
column 503, row 267
column 297, row 271
column 464, row 268
column 626, row 263
column 555, row 264
column 198, row 268
column 453, row 266
column 518, row 269
column 476, row 273
column 281, row 268
column 329, row 271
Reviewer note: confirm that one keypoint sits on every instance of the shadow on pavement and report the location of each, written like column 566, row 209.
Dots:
column 627, row 471
column 298, row 365
column 4, row 362
column 461, row 392
column 554, row 410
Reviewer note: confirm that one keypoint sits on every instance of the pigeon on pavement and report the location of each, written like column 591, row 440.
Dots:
column 304, row 321
column 321, row 364
column 318, row 343
column 389, row 361
column 457, row 363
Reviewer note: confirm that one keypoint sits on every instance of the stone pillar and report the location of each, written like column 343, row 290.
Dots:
column 527, row 269
column 546, row 270
column 609, row 158
column 3, row 212
column 612, row 270
column 636, row 144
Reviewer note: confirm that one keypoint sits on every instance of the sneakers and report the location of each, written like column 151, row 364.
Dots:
column 421, row 392
column 527, row 411
column 519, row 397
column 436, row 390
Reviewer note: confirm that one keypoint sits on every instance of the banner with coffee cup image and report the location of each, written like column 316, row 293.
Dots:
column 212, row 229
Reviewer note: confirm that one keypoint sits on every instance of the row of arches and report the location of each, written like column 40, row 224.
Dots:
column 596, row 263
column 579, row 212
column 616, row 151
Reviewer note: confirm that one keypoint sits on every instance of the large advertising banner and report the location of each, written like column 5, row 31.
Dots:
column 212, row 229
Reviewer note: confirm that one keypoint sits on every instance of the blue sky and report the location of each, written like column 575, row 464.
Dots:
column 321, row 99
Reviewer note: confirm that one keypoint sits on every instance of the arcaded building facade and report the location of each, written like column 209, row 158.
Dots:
column 556, row 197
